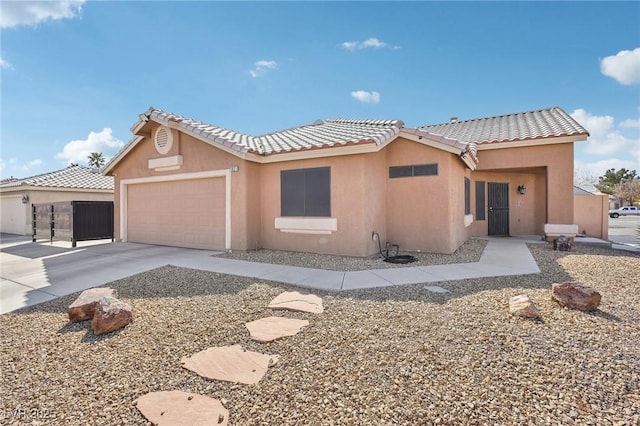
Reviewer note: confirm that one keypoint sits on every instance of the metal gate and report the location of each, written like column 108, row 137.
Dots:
column 73, row 221
column 498, row 208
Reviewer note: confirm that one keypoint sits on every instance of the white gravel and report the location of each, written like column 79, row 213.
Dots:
column 399, row 355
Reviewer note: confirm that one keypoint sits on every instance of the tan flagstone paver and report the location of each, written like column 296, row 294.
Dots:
column 177, row 408
column 294, row 301
column 230, row 364
column 268, row 329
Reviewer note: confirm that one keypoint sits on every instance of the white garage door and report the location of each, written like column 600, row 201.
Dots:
column 181, row 213
column 13, row 215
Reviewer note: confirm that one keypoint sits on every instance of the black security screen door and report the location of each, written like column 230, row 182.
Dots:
column 498, row 208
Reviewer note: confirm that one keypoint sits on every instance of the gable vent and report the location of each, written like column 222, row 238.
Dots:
column 163, row 139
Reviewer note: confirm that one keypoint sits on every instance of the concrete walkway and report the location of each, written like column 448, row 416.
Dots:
column 33, row 273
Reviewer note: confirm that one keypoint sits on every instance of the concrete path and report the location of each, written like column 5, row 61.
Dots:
column 33, row 273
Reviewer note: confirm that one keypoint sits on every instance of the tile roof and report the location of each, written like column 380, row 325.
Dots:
column 77, row 177
column 541, row 124
column 320, row 134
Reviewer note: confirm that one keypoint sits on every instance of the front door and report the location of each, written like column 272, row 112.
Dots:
column 498, row 208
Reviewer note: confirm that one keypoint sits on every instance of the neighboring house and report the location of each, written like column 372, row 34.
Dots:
column 330, row 186
column 74, row 183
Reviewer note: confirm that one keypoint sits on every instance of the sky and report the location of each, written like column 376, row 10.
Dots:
column 76, row 74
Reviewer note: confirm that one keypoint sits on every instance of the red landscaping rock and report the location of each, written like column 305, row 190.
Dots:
column 177, row 408
column 575, row 296
column 111, row 314
column 85, row 305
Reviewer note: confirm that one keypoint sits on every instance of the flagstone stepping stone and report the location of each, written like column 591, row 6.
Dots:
column 230, row 364
column 84, row 306
column 268, row 329
column 294, row 301
column 177, row 408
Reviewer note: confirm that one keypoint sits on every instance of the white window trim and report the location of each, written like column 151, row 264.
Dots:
column 468, row 220
column 226, row 173
column 307, row 225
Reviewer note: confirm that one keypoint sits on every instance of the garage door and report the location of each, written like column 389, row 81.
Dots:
column 181, row 213
column 13, row 215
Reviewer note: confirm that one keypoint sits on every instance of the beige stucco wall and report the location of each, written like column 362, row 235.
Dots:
column 425, row 213
column 347, row 206
column 39, row 195
column 591, row 214
column 197, row 156
column 558, row 161
column 526, row 212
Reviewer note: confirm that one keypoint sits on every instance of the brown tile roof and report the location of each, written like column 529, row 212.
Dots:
column 320, row 134
column 541, row 124
column 76, row 177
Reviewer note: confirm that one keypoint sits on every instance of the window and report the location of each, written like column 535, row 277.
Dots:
column 414, row 170
column 480, row 197
column 305, row 192
column 467, row 196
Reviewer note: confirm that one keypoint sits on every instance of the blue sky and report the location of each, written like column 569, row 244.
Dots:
column 75, row 75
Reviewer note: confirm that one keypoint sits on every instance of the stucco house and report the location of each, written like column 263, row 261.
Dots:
column 74, row 183
column 330, row 186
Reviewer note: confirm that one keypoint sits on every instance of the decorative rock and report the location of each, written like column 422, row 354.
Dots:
column 85, row 305
column 294, row 301
column 522, row 306
column 562, row 243
column 575, row 296
column 111, row 314
column 177, row 408
column 267, row 330
column 230, row 364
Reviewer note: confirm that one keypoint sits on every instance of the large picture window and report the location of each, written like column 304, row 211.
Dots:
column 305, row 192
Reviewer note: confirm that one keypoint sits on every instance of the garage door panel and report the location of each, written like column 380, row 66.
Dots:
column 183, row 213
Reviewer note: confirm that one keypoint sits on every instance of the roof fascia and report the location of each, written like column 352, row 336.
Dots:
column 115, row 160
column 531, row 142
column 53, row 189
column 423, row 138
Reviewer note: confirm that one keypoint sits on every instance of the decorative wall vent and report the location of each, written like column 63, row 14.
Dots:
column 163, row 139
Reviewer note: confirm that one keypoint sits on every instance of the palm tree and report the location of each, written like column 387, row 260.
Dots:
column 96, row 159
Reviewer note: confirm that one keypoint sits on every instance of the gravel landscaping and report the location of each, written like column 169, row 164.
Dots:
column 399, row 355
column 469, row 252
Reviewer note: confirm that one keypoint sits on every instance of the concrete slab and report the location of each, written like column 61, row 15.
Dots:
column 354, row 280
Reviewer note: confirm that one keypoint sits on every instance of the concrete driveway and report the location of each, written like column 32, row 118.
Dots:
column 32, row 273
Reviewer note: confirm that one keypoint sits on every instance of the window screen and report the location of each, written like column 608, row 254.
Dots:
column 467, row 196
column 480, row 200
column 305, row 192
column 413, row 170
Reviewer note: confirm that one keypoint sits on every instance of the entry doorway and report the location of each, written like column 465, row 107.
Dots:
column 498, row 220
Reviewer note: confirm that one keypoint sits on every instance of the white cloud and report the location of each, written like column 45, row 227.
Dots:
column 366, row 97
column 262, row 67
column 598, row 168
column 371, row 43
column 629, row 122
column 603, row 139
column 624, row 67
column 78, row 151
column 6, row 65
column 16, row 13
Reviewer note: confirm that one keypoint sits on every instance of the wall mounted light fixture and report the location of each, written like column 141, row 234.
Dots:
column 25, row 198
column 522, row 189
column 234, row 168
